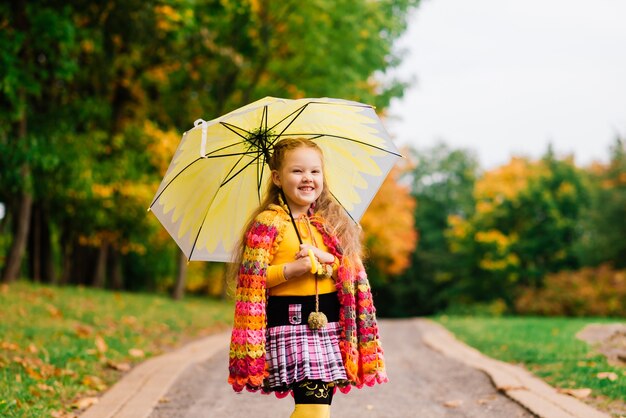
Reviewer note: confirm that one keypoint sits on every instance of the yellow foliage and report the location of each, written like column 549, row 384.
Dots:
column 506, row 182
column 566, row 190
column 493, row 236
column 162, row 146
column 103, row 191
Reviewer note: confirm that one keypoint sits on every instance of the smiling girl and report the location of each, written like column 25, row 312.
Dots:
column 304, row 318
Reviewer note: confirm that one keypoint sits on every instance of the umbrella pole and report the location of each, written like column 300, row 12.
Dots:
column 293, row 222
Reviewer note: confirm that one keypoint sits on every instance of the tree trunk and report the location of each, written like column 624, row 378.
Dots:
column 16, row 252
column 181, row 278
column 35, row 244
column 47, row 256
column 14, row 260
column 99, row 277
column 117, row 281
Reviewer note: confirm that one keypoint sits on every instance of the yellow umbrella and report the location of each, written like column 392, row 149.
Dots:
column 219, row 173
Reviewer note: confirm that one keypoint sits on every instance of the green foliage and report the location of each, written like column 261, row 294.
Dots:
column 442, row 182
column 59, row 344
column 603, row 227
column 548, row 347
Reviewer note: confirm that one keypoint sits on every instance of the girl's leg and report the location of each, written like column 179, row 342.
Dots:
column 313, row 399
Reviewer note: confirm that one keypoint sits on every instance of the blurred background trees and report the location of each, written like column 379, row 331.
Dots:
column 96, row 95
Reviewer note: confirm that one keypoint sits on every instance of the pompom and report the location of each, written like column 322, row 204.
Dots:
column 317, row 320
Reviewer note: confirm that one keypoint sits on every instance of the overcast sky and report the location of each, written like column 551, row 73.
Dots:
column 505, row 77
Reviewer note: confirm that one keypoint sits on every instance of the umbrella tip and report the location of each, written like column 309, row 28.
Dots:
column 148, row 210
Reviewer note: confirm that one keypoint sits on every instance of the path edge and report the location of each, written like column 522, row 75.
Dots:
column 517, row 383
column 138, row 392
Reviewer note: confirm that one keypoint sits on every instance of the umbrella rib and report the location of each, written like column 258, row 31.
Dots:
column 298, row 111
column 225, row 147
column 343, row 207
column 259, row 178
column 213, row 199
column 243, row 168
column 195, row 241
column 233, row 128
column 317, row 136
column 302, row 109
column 172, row 180
column 156, row 198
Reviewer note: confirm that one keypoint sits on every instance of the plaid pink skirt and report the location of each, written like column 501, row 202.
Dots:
column 296, row 352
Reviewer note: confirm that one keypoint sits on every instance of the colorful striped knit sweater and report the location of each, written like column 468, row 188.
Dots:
column 360, row 344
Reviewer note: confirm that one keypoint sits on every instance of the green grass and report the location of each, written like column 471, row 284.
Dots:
column 548, row 348
column 62, row 344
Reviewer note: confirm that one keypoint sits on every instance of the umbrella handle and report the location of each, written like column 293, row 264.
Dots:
column 313, row 261
column 205, row 126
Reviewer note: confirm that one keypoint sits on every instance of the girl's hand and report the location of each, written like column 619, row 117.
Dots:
column 322, row 256
column 297, row 268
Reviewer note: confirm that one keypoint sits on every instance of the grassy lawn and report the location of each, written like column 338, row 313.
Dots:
column 61, row 345
column 548, row 348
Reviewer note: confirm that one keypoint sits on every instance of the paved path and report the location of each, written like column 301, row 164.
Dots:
column 423, row 383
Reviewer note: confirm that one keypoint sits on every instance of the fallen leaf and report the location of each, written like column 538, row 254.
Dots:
column 45, row 387
column 453, row 404
column 164, row 400
column 577, row 393
column 94, row 382
column 33, row 373
column 54, row 311
column 101, row 345
column 83, row 330
column 4, row 288
column 85, row 402
column 18, row 378
column 129, row 320
column 136, row 352
column 32, row 348
column 122, row 367
column 607, row 375
column 9, row 346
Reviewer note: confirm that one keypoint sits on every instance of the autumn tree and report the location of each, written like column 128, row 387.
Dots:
column 389, row 230
column 524, row 226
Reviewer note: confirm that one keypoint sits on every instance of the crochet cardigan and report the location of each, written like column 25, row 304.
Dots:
column 359, row 342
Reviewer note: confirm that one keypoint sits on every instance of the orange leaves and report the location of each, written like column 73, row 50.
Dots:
column 389, row 228
column 54, row 311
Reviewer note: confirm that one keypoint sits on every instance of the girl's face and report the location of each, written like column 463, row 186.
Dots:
column 301, row 178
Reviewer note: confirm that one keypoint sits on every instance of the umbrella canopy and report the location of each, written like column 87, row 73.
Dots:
column 219, row 173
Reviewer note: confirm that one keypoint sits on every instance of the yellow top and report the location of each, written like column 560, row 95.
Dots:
column 303, row 285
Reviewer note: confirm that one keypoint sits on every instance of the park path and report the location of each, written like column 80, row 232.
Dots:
column 423, row 383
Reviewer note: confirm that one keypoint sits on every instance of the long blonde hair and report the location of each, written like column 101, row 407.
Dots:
column 336, row 220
